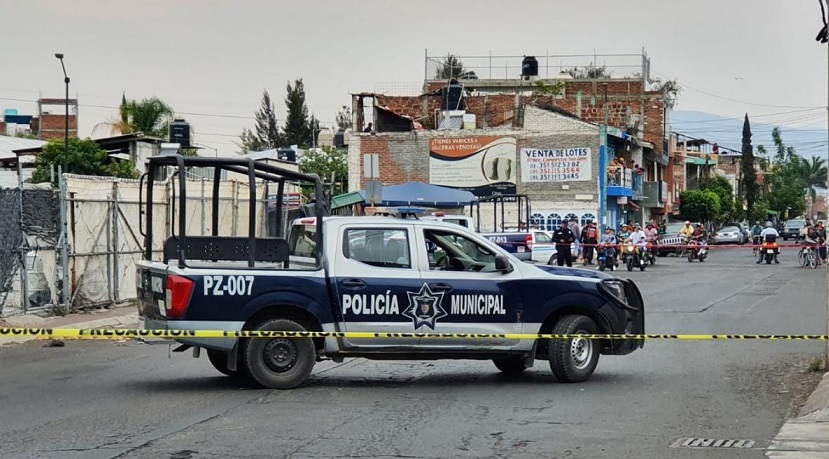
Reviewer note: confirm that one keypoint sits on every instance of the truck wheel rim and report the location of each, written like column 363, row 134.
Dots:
column 581, row 351
column 280, row 355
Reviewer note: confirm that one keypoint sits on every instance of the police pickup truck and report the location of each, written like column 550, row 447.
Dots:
column 369, row 274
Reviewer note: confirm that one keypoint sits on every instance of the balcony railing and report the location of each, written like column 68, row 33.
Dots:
column 620, row 178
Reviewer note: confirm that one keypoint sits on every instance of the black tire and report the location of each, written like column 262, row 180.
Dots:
column 602, row 265
column 768, row 260
column 690, row 257
column 642, row 267
column 567, row 360
column 511, row 365
column 291, row 359
column 630, row 264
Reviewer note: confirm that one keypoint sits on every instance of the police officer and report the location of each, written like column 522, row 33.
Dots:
column 563, row 237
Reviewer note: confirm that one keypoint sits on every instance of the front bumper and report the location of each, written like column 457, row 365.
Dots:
column 625, row 318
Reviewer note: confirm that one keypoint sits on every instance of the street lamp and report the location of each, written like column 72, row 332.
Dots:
column 59, row 56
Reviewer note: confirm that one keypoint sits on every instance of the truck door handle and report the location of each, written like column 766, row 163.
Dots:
column 440, row 287
column 353, row 284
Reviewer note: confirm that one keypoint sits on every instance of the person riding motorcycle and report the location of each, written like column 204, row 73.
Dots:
column 639, row 239
column 769, row 231
column 652, row 235
column 687, row 231
column 608, row 244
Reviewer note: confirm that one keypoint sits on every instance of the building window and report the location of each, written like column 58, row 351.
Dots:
column 537, row 221
column 588, row 217
column 571, row 215
column 553, row 222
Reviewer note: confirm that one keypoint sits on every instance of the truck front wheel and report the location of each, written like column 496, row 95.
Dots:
column 279, row 363
column 574, row 359
column 511, row 365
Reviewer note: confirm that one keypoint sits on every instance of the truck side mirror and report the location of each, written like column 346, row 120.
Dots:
column 502, row 264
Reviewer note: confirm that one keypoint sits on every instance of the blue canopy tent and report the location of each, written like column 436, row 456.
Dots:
column 424, row 195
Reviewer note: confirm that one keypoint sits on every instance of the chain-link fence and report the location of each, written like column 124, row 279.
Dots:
column 104, row 235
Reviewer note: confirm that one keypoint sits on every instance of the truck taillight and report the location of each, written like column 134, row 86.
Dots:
column 179, row 290
column 529, row 241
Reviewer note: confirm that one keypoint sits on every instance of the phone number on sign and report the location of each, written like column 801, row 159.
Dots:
column 546, row 177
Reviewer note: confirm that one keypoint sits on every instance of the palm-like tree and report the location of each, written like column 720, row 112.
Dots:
column 814, row 173
column 150, row 116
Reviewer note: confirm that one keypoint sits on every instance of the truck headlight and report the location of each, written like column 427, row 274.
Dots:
column 615, row 288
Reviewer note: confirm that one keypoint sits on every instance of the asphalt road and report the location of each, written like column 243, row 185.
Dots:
column 110, row 399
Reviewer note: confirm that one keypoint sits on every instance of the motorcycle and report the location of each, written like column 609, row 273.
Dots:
column 769, row 249
column 632, row 257
column 650, row 253
column 697, row 249
column 606, row 257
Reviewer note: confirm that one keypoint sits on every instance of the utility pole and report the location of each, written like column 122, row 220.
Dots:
column 603, row 167
column 59, row 56
column 826, row 354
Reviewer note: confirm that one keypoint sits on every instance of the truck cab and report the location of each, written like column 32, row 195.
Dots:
column 373, row 287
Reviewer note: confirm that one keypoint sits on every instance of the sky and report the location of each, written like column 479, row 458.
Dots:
column 211, row 59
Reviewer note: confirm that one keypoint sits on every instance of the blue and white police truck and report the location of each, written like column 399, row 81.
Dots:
column 364, row 274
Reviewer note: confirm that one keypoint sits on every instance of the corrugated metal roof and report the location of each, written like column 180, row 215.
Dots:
column 9, row 144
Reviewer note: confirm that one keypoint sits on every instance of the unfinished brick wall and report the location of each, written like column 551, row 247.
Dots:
column 53, row 126
column 490, row 111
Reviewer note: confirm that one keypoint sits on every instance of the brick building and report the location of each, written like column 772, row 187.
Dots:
column 49, row 123
column 432, row 136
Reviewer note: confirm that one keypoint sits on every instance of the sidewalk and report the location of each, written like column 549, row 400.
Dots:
column 806, row 436
column 115, row 317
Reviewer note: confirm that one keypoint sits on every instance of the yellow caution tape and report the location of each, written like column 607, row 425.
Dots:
column 89, row 333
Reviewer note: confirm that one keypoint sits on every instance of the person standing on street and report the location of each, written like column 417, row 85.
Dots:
column 576, row 229
column 589, row 239
column 821, row 239
column 564, row 237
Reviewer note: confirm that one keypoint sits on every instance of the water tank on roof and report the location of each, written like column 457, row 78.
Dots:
column 452, row 96
column 529, row 67
column 339, row 139
column 180, row 133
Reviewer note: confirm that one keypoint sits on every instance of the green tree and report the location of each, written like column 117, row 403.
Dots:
column 748, row 184
column 328, row 163
column 670, row 89
column 450, row 67
column 699, row 205
column 150, row 116
column 344, row 118
column 85, row 158
column 814, row 174
column 266, row 134
column 297, row 126
column 722, row 188
column 785, row 181
column 590, row 71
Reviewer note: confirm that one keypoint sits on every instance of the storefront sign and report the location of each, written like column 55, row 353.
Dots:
column 483, row 165
column 559, row 165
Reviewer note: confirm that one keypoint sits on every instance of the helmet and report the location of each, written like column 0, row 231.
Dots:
column 768, row 225
column 687, row 222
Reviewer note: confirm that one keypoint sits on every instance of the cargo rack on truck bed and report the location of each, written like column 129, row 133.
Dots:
column 214, row 247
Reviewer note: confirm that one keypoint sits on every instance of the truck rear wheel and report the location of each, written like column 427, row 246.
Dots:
column 279, row 363
column 574, row 359
column 511, row 365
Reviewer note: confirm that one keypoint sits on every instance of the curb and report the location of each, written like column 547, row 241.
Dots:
column 807, row 435
column 127, row 316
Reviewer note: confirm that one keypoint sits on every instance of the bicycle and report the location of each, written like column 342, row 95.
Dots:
column 807, row 257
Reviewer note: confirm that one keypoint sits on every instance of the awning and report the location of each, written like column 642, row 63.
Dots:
column 345, row 200
column 700, row 161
